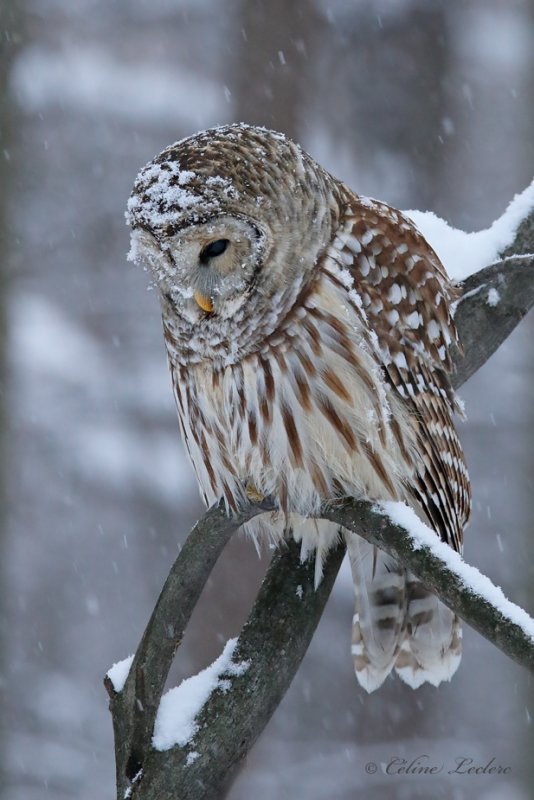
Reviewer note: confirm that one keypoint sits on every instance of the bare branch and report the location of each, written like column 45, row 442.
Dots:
column 282, row 622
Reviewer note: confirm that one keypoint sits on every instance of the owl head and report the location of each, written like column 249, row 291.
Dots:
column 229, row 219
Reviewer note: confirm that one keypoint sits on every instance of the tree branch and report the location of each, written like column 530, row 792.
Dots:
column 282, row 622
column 273, row 642
column 231, row 720
column 134, row 708
column 461, row 587
column 484, row 327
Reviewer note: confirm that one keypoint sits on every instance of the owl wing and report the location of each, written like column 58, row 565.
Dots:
column 406, row 296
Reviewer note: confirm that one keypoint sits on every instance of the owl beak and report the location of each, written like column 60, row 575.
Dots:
column 205, row 303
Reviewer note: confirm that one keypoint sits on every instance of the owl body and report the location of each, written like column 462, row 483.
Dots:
column 308, row 332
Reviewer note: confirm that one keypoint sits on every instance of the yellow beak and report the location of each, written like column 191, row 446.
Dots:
column 204, row 302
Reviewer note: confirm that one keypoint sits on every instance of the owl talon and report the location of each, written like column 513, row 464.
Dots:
column 253, row 495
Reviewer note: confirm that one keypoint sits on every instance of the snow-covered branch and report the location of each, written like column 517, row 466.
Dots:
column 288, row 609
column 135, row 699
column 395, row 527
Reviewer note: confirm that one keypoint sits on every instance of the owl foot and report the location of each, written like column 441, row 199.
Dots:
column 253, row 495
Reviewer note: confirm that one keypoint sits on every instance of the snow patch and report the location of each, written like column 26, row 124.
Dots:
column 164, row 191
column 163, row 188
column 119, row 672
column 136, row 778
column 494, row 297
column 423, row 536
column 179, row 707
column 463, row 253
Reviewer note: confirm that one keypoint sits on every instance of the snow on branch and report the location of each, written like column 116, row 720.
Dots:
column 287, row 610
column 179, row 708
column 461, row 577
column 463, row 253
column 395, row 527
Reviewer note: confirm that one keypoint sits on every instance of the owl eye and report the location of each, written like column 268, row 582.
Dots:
column 213, row 249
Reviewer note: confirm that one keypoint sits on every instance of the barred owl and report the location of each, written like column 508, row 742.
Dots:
column 308, row 333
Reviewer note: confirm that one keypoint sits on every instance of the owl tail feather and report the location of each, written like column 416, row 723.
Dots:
column 379, row 612
column 398, row 624
column 432, row 647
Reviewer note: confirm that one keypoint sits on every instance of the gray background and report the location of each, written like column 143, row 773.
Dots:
column 424, row 104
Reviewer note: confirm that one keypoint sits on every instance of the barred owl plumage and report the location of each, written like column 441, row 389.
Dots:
column 308, row 333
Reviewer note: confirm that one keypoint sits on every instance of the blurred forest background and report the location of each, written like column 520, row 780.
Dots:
column 423, row 103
